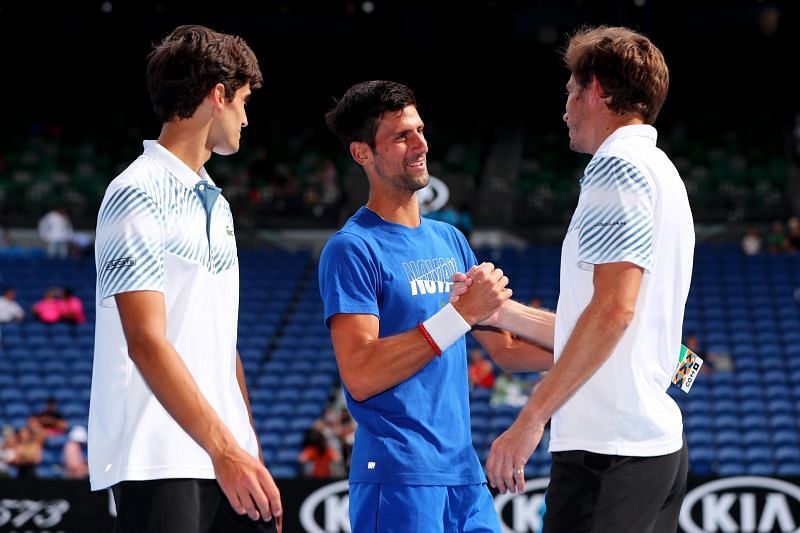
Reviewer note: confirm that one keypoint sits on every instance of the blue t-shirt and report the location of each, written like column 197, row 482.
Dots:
column 418, row 432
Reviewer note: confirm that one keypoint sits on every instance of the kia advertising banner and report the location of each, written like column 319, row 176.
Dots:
column 747, row 504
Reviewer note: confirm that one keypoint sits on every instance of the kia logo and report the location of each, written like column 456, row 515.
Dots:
column 744, row 504
column 525, row 511
column 329, row 503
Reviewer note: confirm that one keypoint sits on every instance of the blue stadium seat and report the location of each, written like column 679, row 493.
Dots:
column 789, row 469
column 726, row 422
column 699, row 437
column 760, row 469
column 753, row 422
column 729, row 453
column 783, row 422
column 758, row 455
column 731, row 468
column 284, row 471
column 755, row 437
column 780, row 406
column 787, row 454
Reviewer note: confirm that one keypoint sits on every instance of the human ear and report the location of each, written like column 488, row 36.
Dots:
column 360, row 152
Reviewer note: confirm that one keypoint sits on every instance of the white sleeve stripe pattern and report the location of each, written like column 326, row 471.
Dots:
column 126, row 202
column 130, row 243
column 612, row 172
column 617, row 219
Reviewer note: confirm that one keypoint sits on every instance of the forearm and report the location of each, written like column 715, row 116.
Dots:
column 381, row 364
column 593, row 339
column 176, row 390
column 537, row 325
column 511, row 353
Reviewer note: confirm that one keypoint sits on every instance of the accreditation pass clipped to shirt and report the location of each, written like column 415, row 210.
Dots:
column 689, row 364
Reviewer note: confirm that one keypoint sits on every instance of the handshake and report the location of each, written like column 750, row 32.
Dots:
column 479, row 294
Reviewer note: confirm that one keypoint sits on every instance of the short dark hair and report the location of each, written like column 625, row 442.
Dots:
column 355, row 116
column 630, row 68
column 189, row 62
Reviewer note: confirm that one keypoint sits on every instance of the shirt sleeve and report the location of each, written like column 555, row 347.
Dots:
column 617, row 215
column 129, row 245
column 348, row 277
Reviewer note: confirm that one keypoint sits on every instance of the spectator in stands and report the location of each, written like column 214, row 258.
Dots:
column 73, row 455
column 465, row 219
column 55, row 229
column 50, row 419
column 713, row 360
column 776, row 239
column 509, row 390
column 71, row 307
column 347, row 434
column 49, row 308
column 319, row 459
column 793, row 236
column 8, row 450
column 10, row 310
column 480, row 371
column 751, row 242
column 5, row 237
column 81, row 244
column 28, row 451
column 399, row 344
column 169, row 409
column 535, row 302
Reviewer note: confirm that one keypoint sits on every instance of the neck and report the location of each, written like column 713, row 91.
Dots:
column 612, row 123
column 187, row 142
column 403, row 210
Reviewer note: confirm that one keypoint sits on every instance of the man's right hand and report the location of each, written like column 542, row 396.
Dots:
column 487, row 292
column 248, row 485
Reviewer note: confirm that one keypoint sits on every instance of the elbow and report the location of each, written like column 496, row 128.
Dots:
column 358, row 388
column 620, row 316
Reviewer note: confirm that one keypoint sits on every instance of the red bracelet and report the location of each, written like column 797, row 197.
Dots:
column 430, row 340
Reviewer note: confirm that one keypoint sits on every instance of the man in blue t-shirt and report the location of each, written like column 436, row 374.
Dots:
column 385, row 280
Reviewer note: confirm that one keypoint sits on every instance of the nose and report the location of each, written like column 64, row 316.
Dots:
column 420, row 143
column 566, row 116
column 244, row 120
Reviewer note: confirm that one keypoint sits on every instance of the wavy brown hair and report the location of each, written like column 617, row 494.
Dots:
column 630, row 68
column 189, row 62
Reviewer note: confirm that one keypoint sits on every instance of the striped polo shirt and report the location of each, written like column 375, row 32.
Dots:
column 633, row 207
column 162, row 227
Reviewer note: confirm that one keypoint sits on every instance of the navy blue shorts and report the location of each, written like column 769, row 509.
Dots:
column 385, row 508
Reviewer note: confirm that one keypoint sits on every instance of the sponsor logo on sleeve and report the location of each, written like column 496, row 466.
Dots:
column 122, row 262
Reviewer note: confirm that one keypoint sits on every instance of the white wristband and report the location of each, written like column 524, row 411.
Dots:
column 446, row 326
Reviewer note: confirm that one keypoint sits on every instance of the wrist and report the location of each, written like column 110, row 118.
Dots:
column 445, row 327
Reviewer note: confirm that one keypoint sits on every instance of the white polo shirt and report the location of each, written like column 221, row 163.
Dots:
column 153, row 234
column 632, row 207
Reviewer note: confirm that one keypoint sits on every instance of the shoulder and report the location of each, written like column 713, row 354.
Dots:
column 612, row 170
column 344, row 243
column 144, row 174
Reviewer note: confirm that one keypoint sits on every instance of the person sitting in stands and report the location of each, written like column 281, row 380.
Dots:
column 10, row 310
column 480, row 371
column 48, row 309
column 28, row 450
column 72, row 308
column 319, row 459
column 73, row 456
column 50, row 418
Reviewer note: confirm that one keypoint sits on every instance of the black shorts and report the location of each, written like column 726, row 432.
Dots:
column 184, row 505
column 592, row 492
